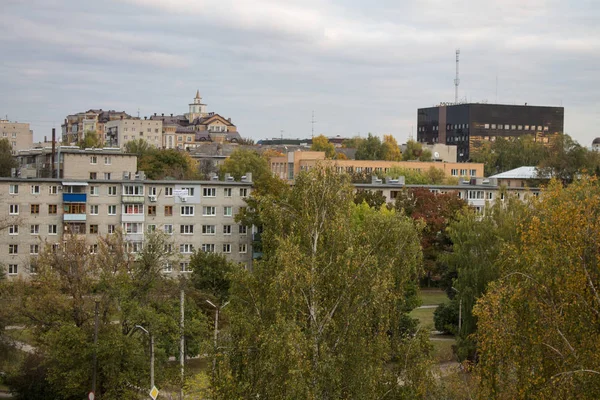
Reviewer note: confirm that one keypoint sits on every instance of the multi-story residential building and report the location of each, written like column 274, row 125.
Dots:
column 288, row 166
column 76, row 125
column 470, row 126
column 122, row 131
column 71, row 162
column 17, row 133
column 193, row 214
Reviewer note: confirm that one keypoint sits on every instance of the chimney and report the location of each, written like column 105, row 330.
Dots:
column 145, row 118
column 171, row 114
column 163, row 114
column 53, row 148
column 155, row 114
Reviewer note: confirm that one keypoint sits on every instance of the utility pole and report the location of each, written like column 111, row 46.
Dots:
column 216, row 335
column 95, row 347
column 456, row 80
column 312, row 122
column 182, row 343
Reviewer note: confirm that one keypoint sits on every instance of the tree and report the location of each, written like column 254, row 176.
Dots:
column 242, row 161
column 139, row 147
column 7, row 161
column 319, row 317
column 162, row 163
column 321, row 143
column 414, row 151
column 91, row 140
column 391, row 150
column 352, row 143
column 538, row 323
column 373, row 198
column 565, row 160
column 370, row 148
column 210, row 274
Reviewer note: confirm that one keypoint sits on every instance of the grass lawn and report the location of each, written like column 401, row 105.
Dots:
column 425, row 317
column 442, row 350
column 433, row 297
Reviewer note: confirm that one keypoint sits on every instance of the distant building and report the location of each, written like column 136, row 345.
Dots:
column 76, row 125
column 17, row 133
column 122, row 131
column 519, row 177
column 469, row 126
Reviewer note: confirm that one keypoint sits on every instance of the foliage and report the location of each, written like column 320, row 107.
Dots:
column 538, row 323
column 210, row 274
column 352, row 143
column 370, row 148
column 168, row 163
column 246, row 141
column 319, row 317
column 139, row 147
column 374, row 198
column 445, row 317
column 340, row 156
column 243, row 161
column 415, row 151
column 321, row 143
column 567, row 159
column 268, row 153
column 391, row 150
column 7, row 161
column 432, row 176
column 91, row 140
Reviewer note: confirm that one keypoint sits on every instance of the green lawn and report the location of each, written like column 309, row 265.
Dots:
column 433, row 297
column 425, row 317
column 442, row 350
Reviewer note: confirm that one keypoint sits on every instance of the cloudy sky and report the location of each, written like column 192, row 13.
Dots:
column 361, row 66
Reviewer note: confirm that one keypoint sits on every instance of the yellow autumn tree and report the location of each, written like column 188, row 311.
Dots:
column 321, row 143
column 538, row 325
column 391, row 150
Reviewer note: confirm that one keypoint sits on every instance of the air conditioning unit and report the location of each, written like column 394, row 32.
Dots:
column 183, row 199
column 152, row 198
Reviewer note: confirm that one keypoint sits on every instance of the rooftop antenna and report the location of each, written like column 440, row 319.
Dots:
column 456, row 80
column 138, row 112
column 312, row 121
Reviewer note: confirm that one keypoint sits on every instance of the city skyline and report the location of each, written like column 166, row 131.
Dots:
column 268, row 65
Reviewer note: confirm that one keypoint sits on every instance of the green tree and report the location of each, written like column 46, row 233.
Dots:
column 139, row 147
column 352, row 143
column 90, row 140
column 391, row 150
column 565, row 159
column 163, row 163
column 414, row 151
column 211, row 274
column 7, row 161
column 538, row 323
column 321, row 143
column 374, row 198
column 370, row 148
column 242, row 161
column 319, row 316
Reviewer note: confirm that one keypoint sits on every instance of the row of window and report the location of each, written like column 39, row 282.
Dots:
column 127, row 209
column 129, row 227
column 463, row 172
column 516, row 127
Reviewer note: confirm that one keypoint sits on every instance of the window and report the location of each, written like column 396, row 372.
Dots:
column 489, row 195
column 13, row 189
column 526, row 127
column 35, row 208
column 208, row 247
column 13, row 249
column 93, row 175
column 208, row 229
column 13, row 209
column 133, row 209
column 52, row 209
column 34, row 249
column 107, row 176
column 74, row 208
column 168, row 249
column 94, row 209
column 184, row 266
column 187, row 211
column 151, row 228
column 186, row 229
column 169, row 191
column 13, row 269
column 454, row 172
column 463, row 172
column 493, row 126
column 190, row 190
column 226, row 229
column 93, row 160
column 34, row 229
column 513, row 127
column 133, row 227
column 111, row 229
column 112, row 210
column 13, row 229
column 52, row 189
column 226, row 248
column 107, row 161
column 134, row 247
column 152, row 191
column 186, row 248
column 94, row 191
column 209, row 192
column 243, row 248
column 93, row 248
column 152, row 211
column 168, row 229
column 35, row 189
column 168, row 211
column 168, row 267
column 520, row 127
column 473, row 172
column 112, row 190
column 475, row 194
column 209, row 211
column 228, row 211
column 227, row 192
column 539, row 128
column 93, row 229
column 486, row 126
column 243, row 229
column 133, row 190
column 243, row 192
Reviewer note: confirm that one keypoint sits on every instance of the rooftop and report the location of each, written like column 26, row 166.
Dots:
column 518, row 173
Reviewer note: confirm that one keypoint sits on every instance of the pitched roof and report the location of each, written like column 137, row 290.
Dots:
column 518, row 173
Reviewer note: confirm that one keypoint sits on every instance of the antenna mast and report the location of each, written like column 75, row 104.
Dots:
column 312, row 122
column 456, row 80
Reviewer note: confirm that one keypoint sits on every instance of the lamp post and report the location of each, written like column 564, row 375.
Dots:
column 151, row 354
column 459, row 310
column 216, row 333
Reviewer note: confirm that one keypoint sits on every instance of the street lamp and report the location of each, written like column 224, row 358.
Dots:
column 459, row 310
column 216, row 333
column 151, row 354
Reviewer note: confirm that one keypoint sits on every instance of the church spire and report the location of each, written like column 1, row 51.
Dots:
column 197, row 94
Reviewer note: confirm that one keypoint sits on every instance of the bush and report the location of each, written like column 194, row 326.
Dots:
column 445, row 317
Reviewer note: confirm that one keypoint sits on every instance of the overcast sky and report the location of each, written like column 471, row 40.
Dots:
column 267, row 64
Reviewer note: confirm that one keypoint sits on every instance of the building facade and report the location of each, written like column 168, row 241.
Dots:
column 122, row 131
column 193, row 214
column 470, row 126
column 76, row 125
column 17, row 133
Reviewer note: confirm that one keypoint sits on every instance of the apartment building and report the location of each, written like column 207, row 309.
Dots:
column 194, row 214
column 122, row 131
column 76, row 125
column 288, row 166
column 17, row 133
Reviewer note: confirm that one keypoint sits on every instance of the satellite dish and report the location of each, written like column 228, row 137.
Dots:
column 436, row 155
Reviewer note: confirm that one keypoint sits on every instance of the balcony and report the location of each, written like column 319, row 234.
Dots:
column 133, row 199
column 74, row 197
column 132, row 217
column 75, row 217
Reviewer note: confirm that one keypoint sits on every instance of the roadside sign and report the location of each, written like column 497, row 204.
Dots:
column 154, row 393
column 91, row 396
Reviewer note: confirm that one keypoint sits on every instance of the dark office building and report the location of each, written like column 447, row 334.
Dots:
column 469, row 126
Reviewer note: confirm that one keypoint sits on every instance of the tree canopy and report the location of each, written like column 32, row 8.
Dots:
column 415, row 151
column 370, row 148
column 391, row 150
column 7, row 161
column 91, row 139
column 321, row 143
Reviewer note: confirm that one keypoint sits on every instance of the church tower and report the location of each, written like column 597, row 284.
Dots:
column 197, row 109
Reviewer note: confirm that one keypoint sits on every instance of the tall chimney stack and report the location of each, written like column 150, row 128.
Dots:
column 53, row 150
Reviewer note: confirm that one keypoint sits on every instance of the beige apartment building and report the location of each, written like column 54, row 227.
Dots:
column 194, row 215
column 74, row 163
column 17, row 133
column 122, row 131
column 288, row 166
column 76, row 125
